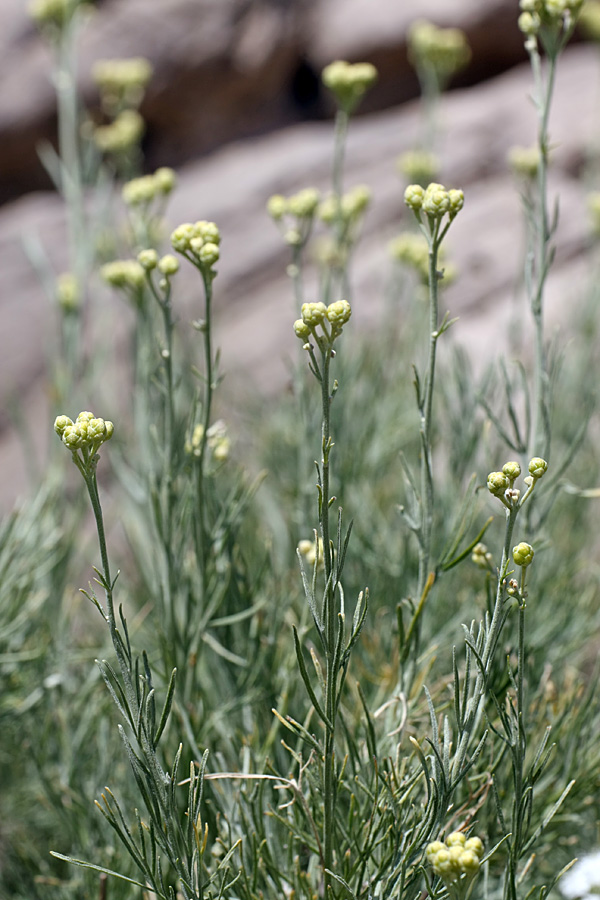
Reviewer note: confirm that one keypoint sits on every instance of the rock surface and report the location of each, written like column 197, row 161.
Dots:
column 228, row 69
column 230, row 185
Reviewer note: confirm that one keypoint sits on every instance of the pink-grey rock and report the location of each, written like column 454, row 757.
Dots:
column 253, row 301
column 228, row 69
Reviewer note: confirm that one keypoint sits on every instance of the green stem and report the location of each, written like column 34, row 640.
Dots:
column 427, row 492
column 477, row 698
column 330, row 619
column 539, row 438
column 70, row 174
column 206, row 417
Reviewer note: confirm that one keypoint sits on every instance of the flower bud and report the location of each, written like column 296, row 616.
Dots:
column 339, row 313
column 303, row 205
column 60, row 423
column 277, row 206
column 523, row 554
column 512, row 470
column 475, row 844
column 168, row 265
column 148, row 259
column 456, row 198
column 456, row 838
column 68, row 292
column 413, row 196
column 209, row 254
column 165, row 179
column 529, row 23
column 349, row 82
column 301, row 329
column 537, row 466
column 436, row 201
column 497, row 482
column 313, row 313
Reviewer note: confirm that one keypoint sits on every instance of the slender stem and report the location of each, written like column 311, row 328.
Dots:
column 330, row 619
column 477, row 698
column 427, row 492
column 206, row 416
column 92, row 486
column 539, row 438
column 339, row 149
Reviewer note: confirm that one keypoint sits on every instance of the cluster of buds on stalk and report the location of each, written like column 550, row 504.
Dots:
column 456, row 861
column 83, row 438
column 412, row 250
column 440, row 52
column 323, row 323
column 294, row 215
column 54, row 15
column 552, row 21
column 481, row 557
column 143, row 191
column 524, row 161
column 434, row 203
column 418, row 166
column 122, row 135
column 217, row 441
column 68, row 292
column 121, row 82
column 199, row 243
column 501, row 484
column 312, row 552
column 349, row 82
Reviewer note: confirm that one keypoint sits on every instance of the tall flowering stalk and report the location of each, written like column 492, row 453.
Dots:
column 318, row 329
column 435, row 209
column 548, row 26
column 167, row 840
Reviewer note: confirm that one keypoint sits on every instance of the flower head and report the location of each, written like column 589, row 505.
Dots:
column 349, row 82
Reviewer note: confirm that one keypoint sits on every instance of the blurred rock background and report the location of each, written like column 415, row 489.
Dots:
column 236, row 106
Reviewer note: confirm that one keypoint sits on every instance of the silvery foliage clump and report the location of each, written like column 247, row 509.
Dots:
column 236, row 714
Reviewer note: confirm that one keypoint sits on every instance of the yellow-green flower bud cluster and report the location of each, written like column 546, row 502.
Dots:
column 434, row 201
column 443, row 51
column 589, row 20
column 168, row 265
column 537, row 467
column 121, row 82
column 125, row 274
column 523, row 554
column 217, row 441
column 524, row 161
column 501, row 484
column 349, row 82
column 482, row 557
column 294, row 215
column 312, row 552
column 350, row 207
column 456, row 860
column 553, row 14
column 330, row 321
column 148, row 259
column 144, row 190
column 344, row 216
column 411, row 249
column 200, row 243
column 68, row 292
column 121, row 135
column 418, row 166
column 86, row 433
column 53, row 13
